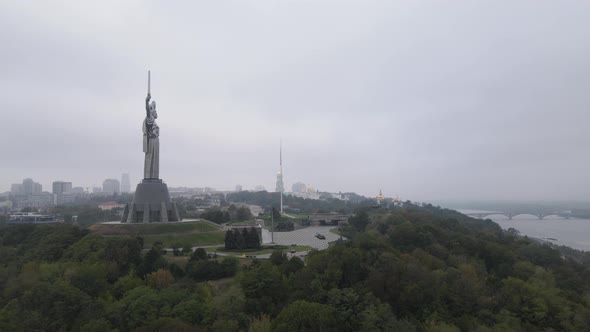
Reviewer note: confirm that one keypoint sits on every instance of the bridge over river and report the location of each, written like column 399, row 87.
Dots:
column 510, row 215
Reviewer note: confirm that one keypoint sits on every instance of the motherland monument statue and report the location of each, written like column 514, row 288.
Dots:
column 151, row 202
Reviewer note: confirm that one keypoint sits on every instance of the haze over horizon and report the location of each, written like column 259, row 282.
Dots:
column 426, row 100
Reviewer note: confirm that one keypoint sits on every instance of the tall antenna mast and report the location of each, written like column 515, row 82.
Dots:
column 281, row 165
column 280, row 187
column 281, row 154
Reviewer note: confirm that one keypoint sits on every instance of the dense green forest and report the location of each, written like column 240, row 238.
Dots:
column 411, row 268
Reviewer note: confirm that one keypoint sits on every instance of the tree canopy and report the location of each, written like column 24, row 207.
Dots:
column 410, row 268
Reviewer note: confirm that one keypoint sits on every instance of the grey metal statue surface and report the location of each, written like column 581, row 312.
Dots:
column 151, row 200
column 151, row 140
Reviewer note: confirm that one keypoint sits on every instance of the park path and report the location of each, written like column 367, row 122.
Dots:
column 303, row 236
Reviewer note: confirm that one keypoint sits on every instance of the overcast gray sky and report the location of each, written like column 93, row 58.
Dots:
column 424, row 99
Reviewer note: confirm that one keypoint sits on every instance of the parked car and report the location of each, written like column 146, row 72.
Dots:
column 320, row 236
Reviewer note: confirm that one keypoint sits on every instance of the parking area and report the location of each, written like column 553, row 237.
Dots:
column 305, row 236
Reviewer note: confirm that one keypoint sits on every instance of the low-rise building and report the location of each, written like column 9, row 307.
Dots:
column 78, row 190
column 299, row 187
column 110, row 205
column 30, row 217
column 64, row 199
column 40, row 201
column 17, row 189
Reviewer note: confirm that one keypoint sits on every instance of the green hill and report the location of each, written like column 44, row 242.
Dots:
column 197, row 233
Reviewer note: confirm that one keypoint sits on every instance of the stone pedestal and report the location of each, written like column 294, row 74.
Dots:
column 151, row 203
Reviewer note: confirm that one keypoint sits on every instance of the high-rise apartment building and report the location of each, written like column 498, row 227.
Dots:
column 61, row 187
column 111, row 186
column 28, row 186
column 31, row 187
column 125, row 183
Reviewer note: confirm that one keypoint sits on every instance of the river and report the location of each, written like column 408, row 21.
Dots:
column 573, row 233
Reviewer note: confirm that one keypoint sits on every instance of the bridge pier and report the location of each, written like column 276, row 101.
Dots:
column 511, row 215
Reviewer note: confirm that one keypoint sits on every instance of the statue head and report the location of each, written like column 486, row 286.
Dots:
column 153, row 112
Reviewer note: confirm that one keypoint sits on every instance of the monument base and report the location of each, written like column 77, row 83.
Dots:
column 151, row 203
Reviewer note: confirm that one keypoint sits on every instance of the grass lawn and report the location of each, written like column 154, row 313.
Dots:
column 153, row 228
column 243, row 223
column 193, row 240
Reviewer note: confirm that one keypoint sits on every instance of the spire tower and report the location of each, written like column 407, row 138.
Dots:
column 280, row 186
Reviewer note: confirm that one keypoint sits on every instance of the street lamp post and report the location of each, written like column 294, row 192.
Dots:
column 272, row 226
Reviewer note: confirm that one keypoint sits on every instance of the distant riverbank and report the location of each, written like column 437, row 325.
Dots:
column 566, row 232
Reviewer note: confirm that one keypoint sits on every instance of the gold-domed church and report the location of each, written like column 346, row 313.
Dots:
column 380, row 197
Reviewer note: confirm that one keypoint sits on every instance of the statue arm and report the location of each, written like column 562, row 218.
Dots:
column 147, row 105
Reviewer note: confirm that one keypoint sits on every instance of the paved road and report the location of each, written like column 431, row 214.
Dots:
column 304, row 237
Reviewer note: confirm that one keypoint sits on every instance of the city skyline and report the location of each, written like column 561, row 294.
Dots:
column 428, row 101
column 257, row 187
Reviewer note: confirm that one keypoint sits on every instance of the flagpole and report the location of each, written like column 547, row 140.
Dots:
column 272, row 225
